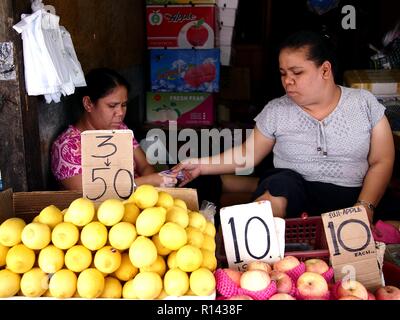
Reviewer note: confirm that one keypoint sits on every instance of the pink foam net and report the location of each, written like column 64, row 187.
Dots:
column 296, row 272
column 261, row 294
column 225, row 285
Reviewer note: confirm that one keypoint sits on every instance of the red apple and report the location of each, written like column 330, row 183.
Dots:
column 255, row 280
column 259, row 265
column 286, row 264
column 352, row 288
column 312, row 286
column 387, row 293
column 349, row 298
column 284, row 283
column 281, row 296
column 197, row 34
column 371, row 296
column 316, row 265
column 233, row 275
column 240, row 297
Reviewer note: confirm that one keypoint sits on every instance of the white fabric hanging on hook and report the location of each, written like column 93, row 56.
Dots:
column 51, row 65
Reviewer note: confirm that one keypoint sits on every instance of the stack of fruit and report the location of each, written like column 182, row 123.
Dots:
column 148, row 247
column 294, row 280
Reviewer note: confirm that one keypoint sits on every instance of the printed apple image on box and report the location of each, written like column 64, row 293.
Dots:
column 185, row 108
column 185, row 70
column 181, row 26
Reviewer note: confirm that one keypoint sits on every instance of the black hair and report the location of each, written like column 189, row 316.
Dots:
column 320, row 47
column 101, row 81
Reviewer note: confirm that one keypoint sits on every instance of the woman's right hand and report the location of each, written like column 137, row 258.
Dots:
column 190, row 170
column 159, row 180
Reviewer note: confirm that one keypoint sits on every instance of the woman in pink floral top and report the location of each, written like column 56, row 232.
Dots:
column 105, row 102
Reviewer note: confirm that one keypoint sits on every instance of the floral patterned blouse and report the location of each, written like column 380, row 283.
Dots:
column 66, row 153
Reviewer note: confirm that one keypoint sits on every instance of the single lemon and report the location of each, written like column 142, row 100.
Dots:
column 180, row 203
column 65, row 235
column 51, row 216
column 159, row 266
column 80, row 212
column 172, row 236
column 195, row 237
column 78, row 258
column 178, row 215
column 110, row 212
column 34, row 283
column 127, row 290
column 210, row 229
column 176, row 282
column 161, row 250
column 145, row 196
column 90, row 283
column 62, row 284
column 126, row 270
column 10, row 283
column 189, row 258
column 197, row 220
column 147, row 285
column 36, row 235
column 10, row 231
column 51, row 259
column 150, row 221
column 171, row 260
column 107, row 259
column 209, row 243
column 209, row 260
column 20, row 259
column 131, row 212
column 3, row 254
column 142, row 252
column 112, row 289
column 94, row 235
column 165, row 200
column 122, row 235
column 202, row 282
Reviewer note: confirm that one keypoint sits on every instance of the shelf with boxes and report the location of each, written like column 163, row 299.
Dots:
column 183, row 38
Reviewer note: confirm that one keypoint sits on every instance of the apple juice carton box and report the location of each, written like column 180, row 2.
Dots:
column 185, row 70
column 187, row 109
column 181, row 26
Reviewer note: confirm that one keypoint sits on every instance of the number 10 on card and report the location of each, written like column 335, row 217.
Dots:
column 249, row 234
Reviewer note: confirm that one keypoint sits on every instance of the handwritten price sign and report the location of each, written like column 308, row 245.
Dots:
column 107, row 164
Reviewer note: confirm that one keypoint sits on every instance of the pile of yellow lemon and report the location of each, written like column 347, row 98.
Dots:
column 147, row 247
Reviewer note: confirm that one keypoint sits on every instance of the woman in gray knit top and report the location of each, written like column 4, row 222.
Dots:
column 332, row 146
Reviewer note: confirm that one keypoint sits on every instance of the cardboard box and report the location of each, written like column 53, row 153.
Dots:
column 185, row 26
column 379, row 82
column 185, row 70
column 224, row 36
column 226, row 17
column 26, row 205
column 226, row 55
column 233, row 4
column 188, row 109
column 180, row 1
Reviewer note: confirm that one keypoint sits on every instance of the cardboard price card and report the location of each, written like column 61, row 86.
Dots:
column 107, row 164
column 352, row 246
column 249, row 233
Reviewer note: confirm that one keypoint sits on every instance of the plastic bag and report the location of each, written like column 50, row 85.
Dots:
column 208, row 209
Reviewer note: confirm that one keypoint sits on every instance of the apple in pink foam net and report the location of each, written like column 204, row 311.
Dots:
column 352, row 288
column 284, row 283
column 312, row 286
column 281, row 296
column 286, row 264
column 316, row 265
column 387, row 293
column 233, row 275
column 255, row 280
column 259, row 265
